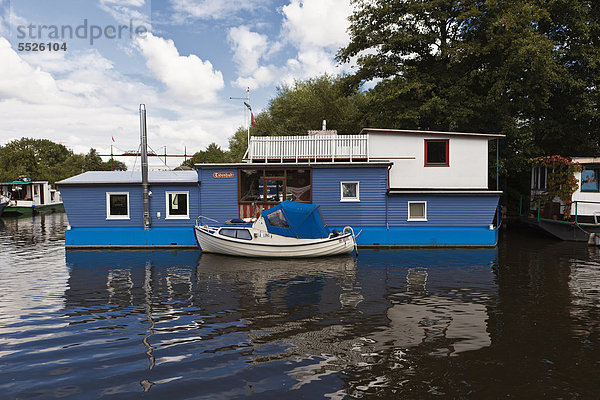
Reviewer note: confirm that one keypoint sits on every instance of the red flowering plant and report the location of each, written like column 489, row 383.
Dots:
column 561, row 180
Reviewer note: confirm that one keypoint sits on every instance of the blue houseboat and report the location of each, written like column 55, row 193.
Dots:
column 395, row 187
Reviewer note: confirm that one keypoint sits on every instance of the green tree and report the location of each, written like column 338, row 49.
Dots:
column 212, row 155
column 303, row 106
column 44, row 160
column 528, row 69
column 37, row 158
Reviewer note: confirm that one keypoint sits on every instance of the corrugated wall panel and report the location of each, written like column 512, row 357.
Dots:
column 159, row 204
column 86, row 205
column 445, row 210
column 369, row 211
column 219, row 196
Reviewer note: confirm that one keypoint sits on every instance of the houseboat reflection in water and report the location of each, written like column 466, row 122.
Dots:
column 322, row 316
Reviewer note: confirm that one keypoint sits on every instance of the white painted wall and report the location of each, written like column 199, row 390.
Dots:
column 468, row 161
column 582, row 208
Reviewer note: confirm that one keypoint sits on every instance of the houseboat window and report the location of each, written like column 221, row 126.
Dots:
column 274, row 172
column 417, row 211
column 349, row 191
column 177, row 205
column 250, row 180
column 51, row 196
column 274, row 188
column 589, row 180
column 437, row 152
column 117, row 205
column 35, row 190
column 539, row 178
column 236, row 233
column 298, row 185
column 270, row 186
column 277, row 219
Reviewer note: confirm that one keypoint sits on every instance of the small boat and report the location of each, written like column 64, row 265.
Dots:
column 29, row 198
column 289, row 229
column 3, row 203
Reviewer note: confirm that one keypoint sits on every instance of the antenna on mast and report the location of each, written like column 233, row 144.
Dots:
column 247, row 104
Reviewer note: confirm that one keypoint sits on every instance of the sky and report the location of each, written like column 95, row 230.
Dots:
column 184, row 59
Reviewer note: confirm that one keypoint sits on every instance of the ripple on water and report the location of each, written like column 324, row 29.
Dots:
column 517, row 321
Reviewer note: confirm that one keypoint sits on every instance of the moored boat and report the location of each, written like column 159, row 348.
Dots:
column 29, row 197
column 287, row 230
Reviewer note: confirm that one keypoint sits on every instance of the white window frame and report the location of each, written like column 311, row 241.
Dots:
column 169, row 216
column 108, row 216
column 424, row 218
column 357, row 198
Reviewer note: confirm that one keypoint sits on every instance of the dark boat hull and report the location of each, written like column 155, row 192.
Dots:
column 563, row 230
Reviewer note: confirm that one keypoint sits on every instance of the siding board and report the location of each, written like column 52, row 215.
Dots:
column 86, row 205
column 369, row 211
column 219, row 196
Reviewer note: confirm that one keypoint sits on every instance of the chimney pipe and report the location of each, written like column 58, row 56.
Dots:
column 144, row 157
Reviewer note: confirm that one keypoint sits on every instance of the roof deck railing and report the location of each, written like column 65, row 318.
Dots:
column 318, row 148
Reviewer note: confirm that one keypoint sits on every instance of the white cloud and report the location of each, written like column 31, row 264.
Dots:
column 212, row 9
column 248, row 47
column 317, row 24
column 21, row 81
column 315, row 29
column 79, row 99
column 137, row 11
column 187, row 78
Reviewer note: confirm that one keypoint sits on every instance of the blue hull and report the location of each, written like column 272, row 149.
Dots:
column 369, row 236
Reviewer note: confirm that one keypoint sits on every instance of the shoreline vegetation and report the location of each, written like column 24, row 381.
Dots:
column 44, row 160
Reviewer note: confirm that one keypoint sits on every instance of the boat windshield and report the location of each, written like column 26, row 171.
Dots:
column 277, row 219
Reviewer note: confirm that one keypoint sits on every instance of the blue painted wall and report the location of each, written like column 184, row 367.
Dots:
column 369, row 211
column 219, row 195
column 86, row 205
column 444, row 210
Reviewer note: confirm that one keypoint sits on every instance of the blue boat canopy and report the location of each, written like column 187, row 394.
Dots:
column 299, row 220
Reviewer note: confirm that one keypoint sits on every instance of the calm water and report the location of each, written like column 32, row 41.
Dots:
column 520, row 321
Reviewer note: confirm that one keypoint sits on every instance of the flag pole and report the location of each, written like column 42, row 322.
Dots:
column 250, row 116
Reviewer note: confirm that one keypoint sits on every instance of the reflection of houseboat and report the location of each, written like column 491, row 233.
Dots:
column 398, row 188
column 28, row 197
column 547, row 218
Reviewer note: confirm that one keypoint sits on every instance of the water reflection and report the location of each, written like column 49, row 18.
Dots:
column 518, row 321
column 310, row 319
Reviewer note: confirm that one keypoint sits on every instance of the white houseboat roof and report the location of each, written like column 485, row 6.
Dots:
column 586, row 160
column 109, row 177
column 419, row 132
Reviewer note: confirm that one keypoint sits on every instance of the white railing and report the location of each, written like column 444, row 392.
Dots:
column 312, row 148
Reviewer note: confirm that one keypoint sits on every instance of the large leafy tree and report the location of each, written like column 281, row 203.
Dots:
column 528, row 69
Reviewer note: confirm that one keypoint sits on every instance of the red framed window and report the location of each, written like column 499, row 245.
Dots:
column 437, row 152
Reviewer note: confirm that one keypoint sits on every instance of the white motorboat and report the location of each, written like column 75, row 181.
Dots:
column 286, row 230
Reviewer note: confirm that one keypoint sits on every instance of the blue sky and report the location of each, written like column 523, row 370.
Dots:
column 189, row 57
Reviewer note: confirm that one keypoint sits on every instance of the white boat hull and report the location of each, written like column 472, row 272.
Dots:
column 210, row 241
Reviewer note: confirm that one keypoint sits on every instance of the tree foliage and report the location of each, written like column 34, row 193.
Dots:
column 42, row 159
column 212, row 154
column 561, row 181
column 294, row 110
column 525, row 68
